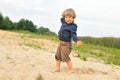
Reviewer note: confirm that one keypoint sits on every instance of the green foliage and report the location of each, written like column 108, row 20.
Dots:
column 45, row 31
column 26, row 25
column 108, row 55
column 7, row 24
column 23, row 24
column 1, row 20
column 105, row 41
column 1, row 17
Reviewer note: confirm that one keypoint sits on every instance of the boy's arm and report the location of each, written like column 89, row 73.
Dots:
column 79, row 43
column 74, row 36
column 62, row 20
column 73, row 33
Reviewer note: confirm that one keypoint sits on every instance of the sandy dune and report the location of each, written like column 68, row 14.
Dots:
column 21, row 62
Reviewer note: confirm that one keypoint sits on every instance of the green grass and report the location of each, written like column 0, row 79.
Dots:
column 8, row 56
column 108, row 55
column 32, row 45
column 34, row 35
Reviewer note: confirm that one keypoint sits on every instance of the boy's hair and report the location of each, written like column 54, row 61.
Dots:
column 69, row 12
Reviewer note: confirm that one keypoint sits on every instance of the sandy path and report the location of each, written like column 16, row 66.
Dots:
column 20, row 62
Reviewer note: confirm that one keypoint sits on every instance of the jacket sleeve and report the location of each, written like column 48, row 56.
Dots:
column 62, row 20
column 73, row 33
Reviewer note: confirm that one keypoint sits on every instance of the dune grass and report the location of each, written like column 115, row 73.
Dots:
column 34, row 35
column 100, row 53
column 32, row 45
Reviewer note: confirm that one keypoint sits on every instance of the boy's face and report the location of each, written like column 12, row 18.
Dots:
column 69, row 19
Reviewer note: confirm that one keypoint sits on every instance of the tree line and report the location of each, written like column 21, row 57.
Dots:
column 23, row 24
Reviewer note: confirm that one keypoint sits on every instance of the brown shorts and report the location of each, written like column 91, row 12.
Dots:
column 63, row 51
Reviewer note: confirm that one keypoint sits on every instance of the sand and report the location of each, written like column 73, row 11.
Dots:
column 21, row 62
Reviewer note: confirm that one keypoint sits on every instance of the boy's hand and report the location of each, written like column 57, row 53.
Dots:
column 79, row 43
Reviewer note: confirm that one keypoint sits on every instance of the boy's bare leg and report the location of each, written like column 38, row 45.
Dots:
column 57, row 67
column 70, row 67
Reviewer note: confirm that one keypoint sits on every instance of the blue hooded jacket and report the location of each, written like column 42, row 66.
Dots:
column 67, row 31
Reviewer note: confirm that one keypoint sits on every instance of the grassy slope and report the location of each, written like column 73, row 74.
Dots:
column 104, row 54
column 87, row 51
